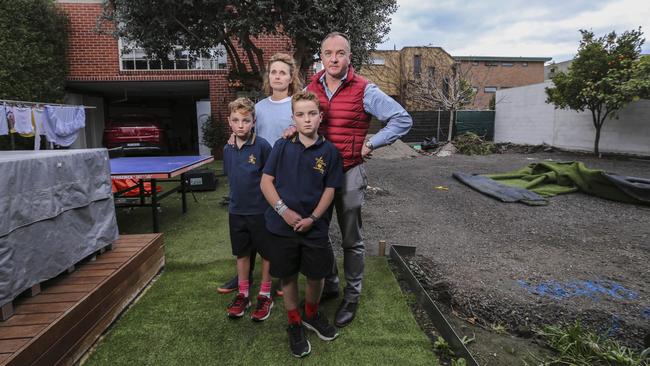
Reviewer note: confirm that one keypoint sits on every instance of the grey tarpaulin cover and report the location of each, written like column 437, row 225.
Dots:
column 56, row 208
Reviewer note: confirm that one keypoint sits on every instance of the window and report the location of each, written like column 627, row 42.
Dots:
column 524, row 64
column 136, row 59
column 377, row 61
column 417, row 66
column 490, row 89
column 506, row 64
column 491, row 63
column 431, row 72
column 475, row 63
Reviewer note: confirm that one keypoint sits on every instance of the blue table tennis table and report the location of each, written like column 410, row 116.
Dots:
column 152, row 169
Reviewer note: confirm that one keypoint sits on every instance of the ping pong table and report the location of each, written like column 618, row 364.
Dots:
column 152, row 169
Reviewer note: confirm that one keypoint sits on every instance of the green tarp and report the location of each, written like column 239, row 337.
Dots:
column 552, row 178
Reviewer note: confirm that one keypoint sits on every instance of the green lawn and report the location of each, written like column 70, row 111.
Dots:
column 181, row 319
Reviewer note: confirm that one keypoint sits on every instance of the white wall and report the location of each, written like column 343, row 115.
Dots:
column 523, row 117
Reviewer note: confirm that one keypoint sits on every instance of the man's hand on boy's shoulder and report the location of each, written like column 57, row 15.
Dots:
column 289, row 132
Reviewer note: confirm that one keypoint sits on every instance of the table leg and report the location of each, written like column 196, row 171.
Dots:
column 141, row 187
column 184, row 192
column 154, row 205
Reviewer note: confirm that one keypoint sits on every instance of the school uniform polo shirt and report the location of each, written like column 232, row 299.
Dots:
column 243, row 166
column 301, row 176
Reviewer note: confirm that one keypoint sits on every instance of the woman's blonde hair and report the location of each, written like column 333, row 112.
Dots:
column 295, row 85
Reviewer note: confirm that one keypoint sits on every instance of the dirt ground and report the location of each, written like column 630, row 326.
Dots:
column 522, row 267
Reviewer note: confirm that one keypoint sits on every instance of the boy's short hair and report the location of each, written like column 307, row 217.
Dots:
column 304, row 96
column 242, row 104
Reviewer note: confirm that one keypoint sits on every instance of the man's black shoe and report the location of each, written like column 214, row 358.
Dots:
column 345, row 313
column 298, row 343
column 321, row 326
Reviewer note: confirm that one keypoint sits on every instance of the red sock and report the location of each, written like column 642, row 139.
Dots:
column 310, row 310
column 294, row 316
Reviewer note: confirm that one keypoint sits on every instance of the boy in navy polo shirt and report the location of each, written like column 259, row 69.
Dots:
column 299, row 181
column 243, row 164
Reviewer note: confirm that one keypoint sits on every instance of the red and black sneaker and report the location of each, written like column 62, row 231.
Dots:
column 262, row 308
column 238, row 306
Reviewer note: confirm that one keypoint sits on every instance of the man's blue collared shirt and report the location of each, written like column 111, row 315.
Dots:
column 301, row 176
column 243, row 166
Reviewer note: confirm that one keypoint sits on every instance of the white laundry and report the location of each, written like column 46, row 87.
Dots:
column 62, row 123
column 4, row 128
column 23, row 120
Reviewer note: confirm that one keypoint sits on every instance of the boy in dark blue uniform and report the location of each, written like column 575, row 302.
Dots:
column 299, row 181
column 243, row 164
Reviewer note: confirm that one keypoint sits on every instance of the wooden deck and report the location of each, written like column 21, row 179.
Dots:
column 57, row 326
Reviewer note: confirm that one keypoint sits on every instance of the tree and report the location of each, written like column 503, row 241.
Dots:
column 605, row 75
column 33, row 63
column 448, row 87
column 196, row 25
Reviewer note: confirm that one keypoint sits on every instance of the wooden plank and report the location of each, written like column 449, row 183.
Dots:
column 4, row 356
column 44, row 308
column 21, row 331
column 82, row 272
column 123, row 249
column 54, row 298
column 59, row 289
column 30, row 319
column 103, row 259
column 12, row 345
column 34, row 290
column 95, row 265
column 80, row 280
column 70, row 328
column 129, row 290
column 116, row 255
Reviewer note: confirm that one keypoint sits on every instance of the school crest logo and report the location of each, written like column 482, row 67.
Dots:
column 320, row 165
column 251, row 159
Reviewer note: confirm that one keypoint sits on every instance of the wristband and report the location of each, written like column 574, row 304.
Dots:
column 282, row 209
column 278, row 205
column 313, row 217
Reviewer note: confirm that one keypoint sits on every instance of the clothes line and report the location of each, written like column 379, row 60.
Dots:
column 40, row 103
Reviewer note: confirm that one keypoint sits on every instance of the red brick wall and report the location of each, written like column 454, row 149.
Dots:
column 501, row 77
column 95, row 57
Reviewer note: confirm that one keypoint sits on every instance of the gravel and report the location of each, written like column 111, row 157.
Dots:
column 486, row 259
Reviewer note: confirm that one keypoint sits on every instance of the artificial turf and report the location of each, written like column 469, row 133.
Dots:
column 181, row 319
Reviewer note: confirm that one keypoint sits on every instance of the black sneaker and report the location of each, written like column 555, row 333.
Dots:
column 299, row 344
column 321, row 326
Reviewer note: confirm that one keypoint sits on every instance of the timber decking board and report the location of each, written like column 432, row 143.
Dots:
column 65, row 319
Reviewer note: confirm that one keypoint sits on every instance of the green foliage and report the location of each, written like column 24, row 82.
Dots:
column 606, row 75
column 470, row 143
column 442, row 348
column 215, row 133
column 199, row 25
column 578, row 346
column 32, row 51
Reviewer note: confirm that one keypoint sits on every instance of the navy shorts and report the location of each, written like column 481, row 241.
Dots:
column 290, row 255
column 248, row 233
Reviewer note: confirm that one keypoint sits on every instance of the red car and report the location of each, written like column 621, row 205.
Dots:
column 135, row 133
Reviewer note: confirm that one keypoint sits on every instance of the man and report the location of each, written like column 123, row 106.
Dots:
column 349, row 101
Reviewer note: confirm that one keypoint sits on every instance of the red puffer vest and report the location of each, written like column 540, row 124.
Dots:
column 345, row 122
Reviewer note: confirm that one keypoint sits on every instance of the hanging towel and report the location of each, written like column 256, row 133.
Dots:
column 23, row 120
column 4, row 128
column 62, row 123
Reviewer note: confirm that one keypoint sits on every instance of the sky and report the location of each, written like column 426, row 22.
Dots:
column 529, row 28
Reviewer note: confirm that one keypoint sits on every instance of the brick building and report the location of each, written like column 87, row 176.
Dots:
column 179, row 92
column 489, row 74
column 393, row 70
